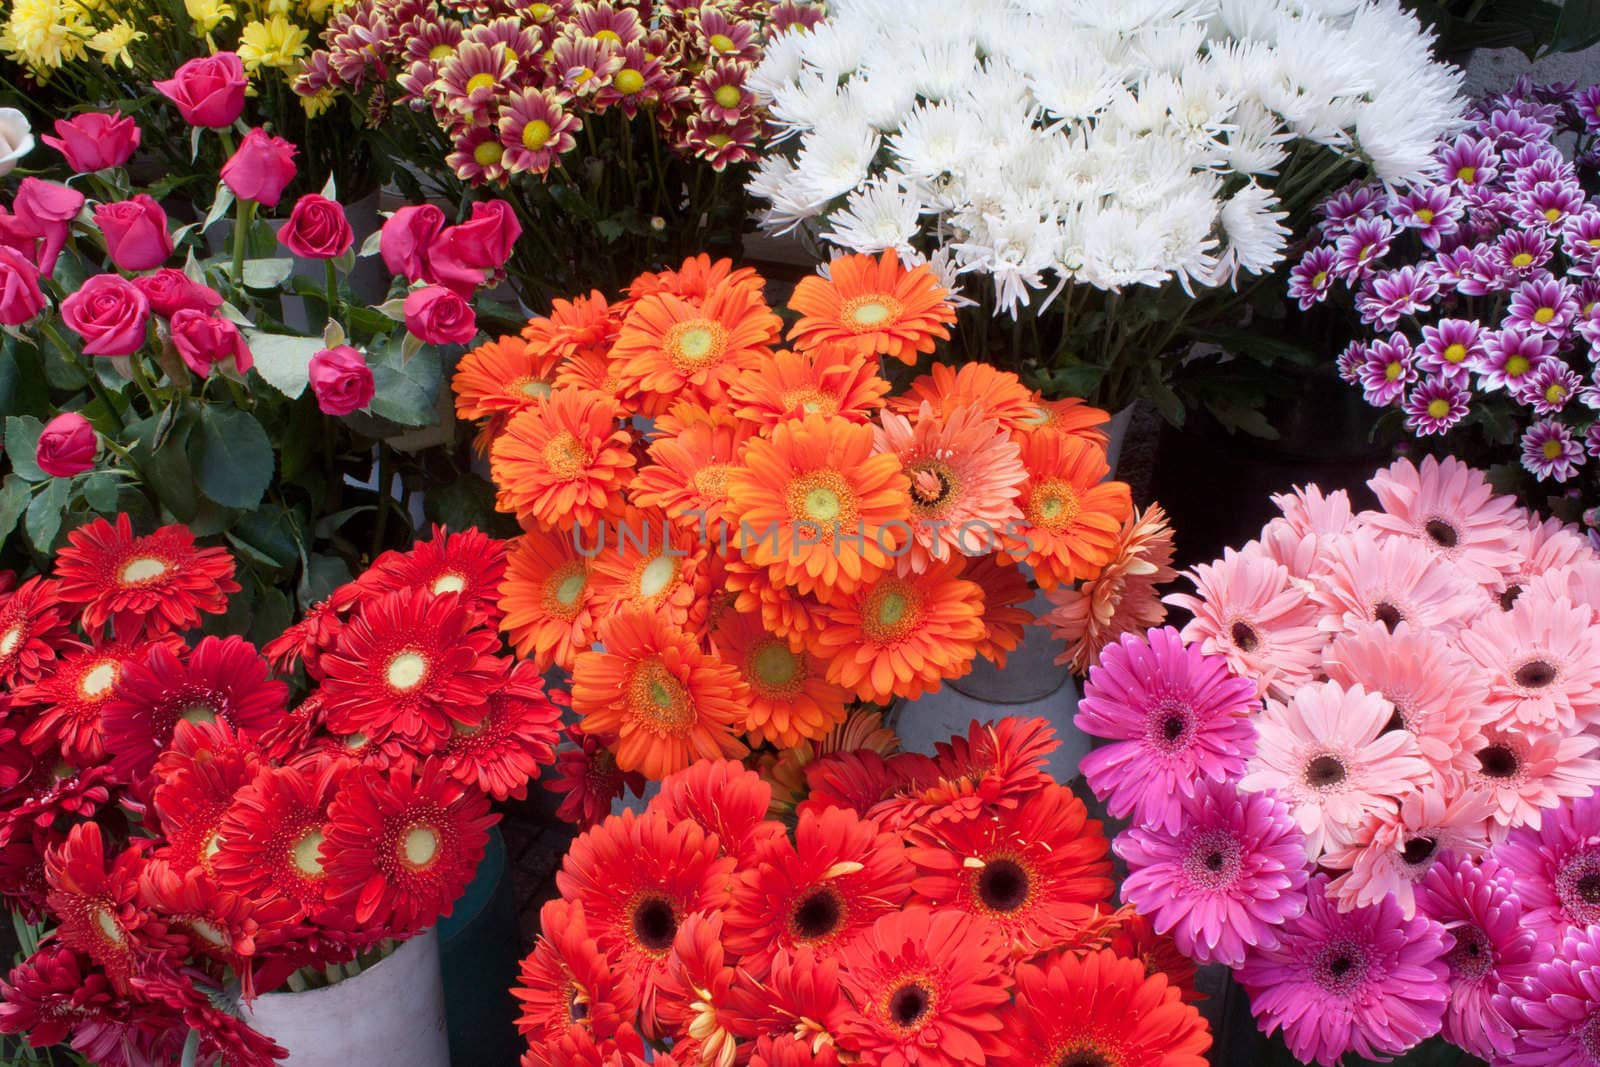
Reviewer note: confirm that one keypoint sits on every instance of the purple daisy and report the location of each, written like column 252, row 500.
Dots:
column 1534, row 165
column 1591, row 439
column 1508, row 129
column 1432, row 212
column 1587, row 102
column 1387, row 370
column 1450, row 348
column 1471, row 270
column 1477, row 904
column 1510, row 356
column 1469, row 161
column 1557, row 869
column 1580, row 239
column 1548, row 389
column 1520, row 253
column 1177, row 717
column 1225, row 880
column 1350, row 361
column 1549, row 204
column 1312, row 278
column 1436, row 405
column 1544, row 306
column 1367, row 981
column 1366, row 242
column 1350, row 205
column 1550, row 452
column 1555, row 1013
column 1391, row 295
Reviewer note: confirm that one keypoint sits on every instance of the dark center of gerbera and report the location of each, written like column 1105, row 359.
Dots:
column 654, row 924
column 909, row 1004
column 1419, row 850
column 1245, row 637
column 1497, row 761
column 1340, row 967
column 1396, row 722
column 1443, row 533
column 1172, row 727
column 1324, row 772
column 1003, row 885
column 1589, row 888
column 1084, row 1057
column 817, row 915
column 1387, row 614
column 1472, row 956
column 1535, row 674
column 1509, row 597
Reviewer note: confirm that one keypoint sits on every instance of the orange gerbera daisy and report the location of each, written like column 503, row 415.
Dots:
column 581, row 324
column 592, row 369
column 784, row 610
column 669, row 346
column 902, row 635
column 1123, row 599
column 548, row 599
column 563, row 461
column 873, row 305
column 695, row 280
column 1071, row 516
column 790, row 700
column 686, row 413
column 829, row 379
column 666, row 702
column 501, row 378
column 687, row 476
column 1006, row 593
column 817, row 507
column 999, row 394
column 1069, row 416
column 649, row 564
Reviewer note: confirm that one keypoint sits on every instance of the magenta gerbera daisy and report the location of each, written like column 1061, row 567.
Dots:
column 1225, row 879
column 1556, row 868
column 1177, row 719
column 1555, row 1012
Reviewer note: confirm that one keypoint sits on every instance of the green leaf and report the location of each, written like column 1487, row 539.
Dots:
column 22, row 443
column 43, row 521
column 283, row 360
column 273, row 615
column 1577, row 26
column 232, row 457
column 322, row 575
column 166, row 467
column 100, row 491
column 1161, row 394
column 23, row 388
column 267, row 273
column 219, row 206
column 269, row 532
column 329, row 525
column 407, row 391
column 14, row 497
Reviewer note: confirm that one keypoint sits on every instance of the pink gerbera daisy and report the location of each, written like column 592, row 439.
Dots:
column 1452, row 510
column 1177, row 719
column 1557, row 869
column 1551, row 545
column 1225, row 880
column 1308, row 510
column 1555, row 1012
column 1367, row 981
column 1328, row 752
column 1525, row 774
column 1249, row 611
column 1367, row 577
column 1542, row 659
column 1396, row 849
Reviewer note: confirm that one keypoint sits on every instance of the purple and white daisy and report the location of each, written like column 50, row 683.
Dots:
column 1178, row 719
column 1534, row 165
column 1225, row 879
column 1587, row 103
column 1591, row 439
column 1450, row 348
column 1312, row 278
column 1510, row 356
column 1548, row 389
column 1391, row 295
column 1508, row 129
column 1388, row 369
column 1557, row 869
column 1580, row 240
column 1469, row 161
column 1471, row 270
column 1432, row 212
column 1555, row 1012
column 1550, row 452
column 1436, row 405
column 1549, row 204
column 1521, row 253
column 1341, row 211
column 1544, row 306
column 1359, row 249
column 1351, row 360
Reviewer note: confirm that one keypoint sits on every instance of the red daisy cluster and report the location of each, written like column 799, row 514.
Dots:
column 181, row 831
column 956, row 912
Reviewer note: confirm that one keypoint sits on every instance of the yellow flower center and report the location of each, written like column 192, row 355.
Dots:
column 208, row 933
column 656, row 576
column 1424, row 215
column 607, row 35
column 356, row 741
column 1467, row 174
column 535, row 388
column 479, row 83
column 143, row 569
column 1552, row 449
column 1455, row 353
column 488, row 153
column 658, row 697
column 99, row 678
column 449, row 583
column 569, row 585
column 727, row 96
column 628, row 81
column 108, row 925
column 406, row 671
column 1054, row 505
column 535, row 135
column 198, row 713
column 1555, row 392
column 1438, row 407
column 711, row 481
column 721, row 42
column 1551, row 214
column 822, row 497
column 719, row 140
column 1544, row 315
column 892, row 610
column 540, row 12
column 868, row 312
column 1517, row 366
column 695, row 343
column 1522, row 259
column 305, row 853
column 565, row 455
column 12, row 638
column 420, row 846
column 1319, row 279
column 823, row 504
column 1393, row 371
column 775, row 665
column 441, row 52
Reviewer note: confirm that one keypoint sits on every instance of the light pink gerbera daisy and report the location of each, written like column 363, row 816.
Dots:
column 1527, row 774
column 1542, row 660
column 1367, row 577
column 966, row 474
column 1248, row 610
column 1542, row 547
column 1308, row 510
column 1397, row 849
column 1368, row 981
column 1578, row 582
column 1329, row 753
column 1557, row 869
column 1555, row 1012
column 1452, row 510
column 1478, row 905
column 1230, row 875
column 1436, row 692
column 1177, row 719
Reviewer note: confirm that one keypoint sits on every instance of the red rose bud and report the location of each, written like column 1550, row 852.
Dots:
column 317, row 229
column 67, row 446
column 440, row 317
column 169, row 290
column 136, row 232
column 20, row 296
column 208, row 91
column 261, row 168
column 95, row 141
column 203, row 340
column 472, row 253
column 406, row 239
column 341, row 380
column 109, row 313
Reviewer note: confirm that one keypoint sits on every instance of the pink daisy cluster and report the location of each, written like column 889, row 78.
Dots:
column 513, row 86
column 1478, row 291
column 1362, row 774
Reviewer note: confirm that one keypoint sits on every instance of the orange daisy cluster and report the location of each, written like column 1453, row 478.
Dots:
column 790, row 529
column 979, row 931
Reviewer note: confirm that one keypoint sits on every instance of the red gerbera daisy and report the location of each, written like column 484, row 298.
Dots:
column 1135, row 938
column 408, row 665
column 219, row 924
column 996, row 766
column 724, row 798
column 695, row 998
column 517, row 736
column 223, row 1037
column 74, row 697
column 221, row 678
column 800, row 998
column 926, row 986
column 33, row 626
column 859, row 780
column 272, row 836
column 567, row 983
column 98, row 905
column 49, row 993
column 315, row 634
column 467, row 562
column 1038, row 871
column 401, row 849
column 841, row 873
column 161, row 582
column 196, row 781
column 587, row 778
column 1100, row 1008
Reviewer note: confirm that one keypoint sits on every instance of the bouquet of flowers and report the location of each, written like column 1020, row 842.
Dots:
column 1477, row 295
column 1101, row 175
column 614, row 120
column 187, row 830
column 1363, row 773
column 759, row 537
column 151, row 375
column 941, row 911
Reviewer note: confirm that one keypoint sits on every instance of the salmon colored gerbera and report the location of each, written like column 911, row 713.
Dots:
column 874, row 305
column 666, row 702
column 901, row 635
column 562, row 461
column 653, row 566
column 1071, row 516
column 790, row 700
column 669, row 346
column 501, row 378
column 830, row 379
column 687, row 476
column 1122, row 599
column 817, row 507
column 548, row 599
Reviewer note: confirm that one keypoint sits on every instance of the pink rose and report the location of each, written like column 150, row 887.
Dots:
column 109, row 313
column 169, row 291
column 261, row 168
column 440, row 317
column 42, row 210
column 471, row 253
column 406, row 238
column 341, row 380
column 20, row 296
column 208, row 91
column 203, row 339
column 95, row 141
column 317, row 229
column 67, row 446
column 135, row 231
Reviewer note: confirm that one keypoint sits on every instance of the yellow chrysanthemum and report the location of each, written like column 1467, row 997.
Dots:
column 319, row 101
column 275, row 43
column 45, row 33
column 112, row 44
column 317, row 10
column 209, row 14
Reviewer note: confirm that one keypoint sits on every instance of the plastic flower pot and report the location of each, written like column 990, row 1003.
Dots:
column 478, row 957
column 392, row 1013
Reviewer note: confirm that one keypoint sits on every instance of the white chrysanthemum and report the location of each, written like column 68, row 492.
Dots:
column 836, row 158
column 880, row 215
column 781, row 64
column 788, row 207
column 934, row 140
column 1255, row 231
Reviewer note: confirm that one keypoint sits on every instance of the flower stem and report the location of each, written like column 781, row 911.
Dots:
column 141, row 378
column 384, row 478
column 334, row 303
column 244, row 217
column 48, row 328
